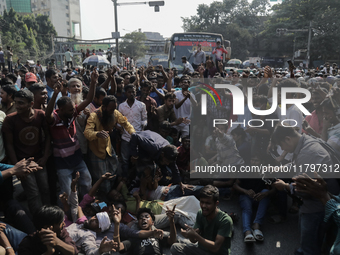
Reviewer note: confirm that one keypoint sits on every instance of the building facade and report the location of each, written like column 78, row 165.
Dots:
column 64, row 15
column 3, row 6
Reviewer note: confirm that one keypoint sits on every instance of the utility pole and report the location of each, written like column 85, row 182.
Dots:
column 116, row 29
column 154, row 4
column 294, row 48
column 309, row 39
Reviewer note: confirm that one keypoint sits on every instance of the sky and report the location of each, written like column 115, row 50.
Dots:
column 97, row 17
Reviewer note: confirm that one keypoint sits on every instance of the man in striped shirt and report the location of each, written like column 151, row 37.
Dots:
column 66, row 149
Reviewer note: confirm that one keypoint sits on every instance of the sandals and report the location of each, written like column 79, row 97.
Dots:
column 258, row 235
column 249, row 239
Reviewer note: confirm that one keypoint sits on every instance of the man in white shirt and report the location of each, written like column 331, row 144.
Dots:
column 136, row 114
column 184, row 101
column 187, row 66
column 68, row 56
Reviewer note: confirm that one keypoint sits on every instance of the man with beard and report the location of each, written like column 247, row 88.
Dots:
column 75, row 88
column 151, row 245
column 99, row 125
column 212, row 230
column 66, row 151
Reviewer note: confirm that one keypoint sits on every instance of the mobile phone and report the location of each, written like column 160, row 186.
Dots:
column 98, row 207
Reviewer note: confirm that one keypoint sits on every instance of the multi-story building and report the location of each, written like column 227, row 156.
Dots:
column 64, row 15
column 3, row 6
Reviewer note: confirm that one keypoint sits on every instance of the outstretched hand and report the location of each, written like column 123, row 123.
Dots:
column 170, row 213
column 107, row 246
column 74, row 182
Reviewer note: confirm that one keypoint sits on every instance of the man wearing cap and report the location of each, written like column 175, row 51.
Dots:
column 218, row 52
column 30, row 79
column 187, row 66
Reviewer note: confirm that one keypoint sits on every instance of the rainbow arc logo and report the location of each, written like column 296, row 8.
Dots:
column 208, row 92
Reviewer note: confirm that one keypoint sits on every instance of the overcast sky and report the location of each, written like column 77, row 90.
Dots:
column 97, row 17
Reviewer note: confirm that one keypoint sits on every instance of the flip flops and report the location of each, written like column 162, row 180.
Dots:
column 258, row 235
column 249, row 239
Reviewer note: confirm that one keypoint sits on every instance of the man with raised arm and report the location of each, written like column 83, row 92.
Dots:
column 66, row 150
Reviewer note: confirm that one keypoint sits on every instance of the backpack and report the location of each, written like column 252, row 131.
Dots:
column 335, row 156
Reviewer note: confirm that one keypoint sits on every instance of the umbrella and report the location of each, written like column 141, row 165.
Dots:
column 96, row 60
column 235, row 62
column 246, row 63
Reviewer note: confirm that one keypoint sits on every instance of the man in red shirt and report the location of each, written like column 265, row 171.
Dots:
column 218, row 52
column 66, row 149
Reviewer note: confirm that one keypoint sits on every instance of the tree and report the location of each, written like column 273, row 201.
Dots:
column 297, row 14
column 29, row 36
column 238, row 21
column 133, row 45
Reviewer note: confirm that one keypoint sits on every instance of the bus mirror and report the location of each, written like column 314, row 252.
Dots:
column 229, row 52
column 226, row 43
column 167, row 47
column 174, row 55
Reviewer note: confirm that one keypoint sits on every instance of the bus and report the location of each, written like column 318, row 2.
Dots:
column 184, row 44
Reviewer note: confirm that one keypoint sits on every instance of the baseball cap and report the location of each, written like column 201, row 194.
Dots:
column 30, row 77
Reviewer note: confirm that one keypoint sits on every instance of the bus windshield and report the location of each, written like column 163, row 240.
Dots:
column 185, row 44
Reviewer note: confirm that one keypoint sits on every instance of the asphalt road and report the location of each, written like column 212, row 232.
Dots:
column 279, row 239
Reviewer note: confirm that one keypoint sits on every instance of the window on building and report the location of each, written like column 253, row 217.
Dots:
column 76, row 28
column 68, row 23
column 68, row 31
column 20, row 6
column 67, row 15
column 66, row 7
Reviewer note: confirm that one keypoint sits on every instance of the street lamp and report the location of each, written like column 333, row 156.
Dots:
column 155, row 4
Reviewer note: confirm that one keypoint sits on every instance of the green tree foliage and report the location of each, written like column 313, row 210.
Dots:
column 297, row 14
column 133, row 45
column 239, row 21
column 29, row 36
column 251, row 26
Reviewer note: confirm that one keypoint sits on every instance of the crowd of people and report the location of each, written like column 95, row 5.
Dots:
column 104, row 158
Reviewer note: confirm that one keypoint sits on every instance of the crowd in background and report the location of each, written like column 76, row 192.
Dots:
column 104, row 157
